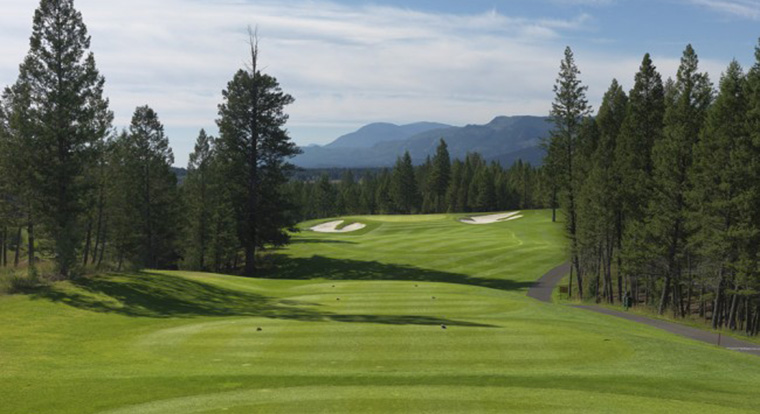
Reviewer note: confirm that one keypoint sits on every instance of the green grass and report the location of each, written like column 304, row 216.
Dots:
column 181, row 342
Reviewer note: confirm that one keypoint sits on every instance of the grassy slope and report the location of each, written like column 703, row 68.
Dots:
column 178, row 342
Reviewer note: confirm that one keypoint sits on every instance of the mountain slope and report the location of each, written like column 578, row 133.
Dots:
column 505, row 139
column 372, row 134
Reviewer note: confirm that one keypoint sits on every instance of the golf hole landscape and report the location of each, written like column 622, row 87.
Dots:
column 355, row 323
column 593, row 248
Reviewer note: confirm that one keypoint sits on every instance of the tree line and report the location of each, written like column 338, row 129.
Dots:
column 439, row 185
column 661, row 190
column 78, row 192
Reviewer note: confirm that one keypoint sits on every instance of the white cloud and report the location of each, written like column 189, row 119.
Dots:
column 748, row 9
column 345, row 66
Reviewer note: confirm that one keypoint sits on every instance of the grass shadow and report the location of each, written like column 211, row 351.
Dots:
column 155, row 295
column 345, row 269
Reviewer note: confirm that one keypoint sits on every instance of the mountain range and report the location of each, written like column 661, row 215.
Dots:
column 506, row 139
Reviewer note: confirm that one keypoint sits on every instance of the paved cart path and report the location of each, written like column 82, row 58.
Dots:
column 544, row 287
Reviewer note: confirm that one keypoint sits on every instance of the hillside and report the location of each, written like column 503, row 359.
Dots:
column 373, row 134
column 505, row 139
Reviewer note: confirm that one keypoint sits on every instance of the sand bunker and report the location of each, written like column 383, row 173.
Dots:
column 332, row 227
column 493, row 218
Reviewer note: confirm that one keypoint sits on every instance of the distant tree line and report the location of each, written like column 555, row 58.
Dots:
column 78, row 193
column 661, row 190
column 439, row 185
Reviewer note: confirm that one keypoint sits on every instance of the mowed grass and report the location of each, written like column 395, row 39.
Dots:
column 353, row 323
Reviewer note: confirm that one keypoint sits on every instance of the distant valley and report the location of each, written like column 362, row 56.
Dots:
column 505, row 139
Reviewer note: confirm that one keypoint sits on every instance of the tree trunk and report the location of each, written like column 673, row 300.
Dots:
column 578, row 275
column 570, row 285
column 665, row 294
column 690, row 294
column 103, row 244
column 4, row 247
column 17, row 257
column 599, row 275
column 554, row 204
column 203, row 224
column 98, row 227
column 87, row 242
column 717, row 302
column 732, row 311
column 747, row 316
column 619, row 237
column 250, row 248
column 149, row 257
column 702, row 304
column 30, row 237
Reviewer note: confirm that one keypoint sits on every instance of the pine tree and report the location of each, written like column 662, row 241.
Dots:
column 199, row 202
column 69, row 115
column 598, row 199
column 404, row 190
column 18, row 161
column 254, row 147
column 324, row 197
column 720, row 192
column 633, row 166
column 383, row 195
column 66, row 92
column 569, row 108
column 349, row 194
column 665, row 218
column 452, row 194
column 144, row 193
column 753, row 177
column 440, row 176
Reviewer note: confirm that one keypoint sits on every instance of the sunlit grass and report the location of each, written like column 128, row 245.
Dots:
column 355, row 323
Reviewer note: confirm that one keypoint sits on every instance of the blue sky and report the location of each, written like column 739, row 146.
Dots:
column 349, row 63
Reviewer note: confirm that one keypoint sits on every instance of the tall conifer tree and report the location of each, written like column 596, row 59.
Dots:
column 569, row 109
column 404, row 190
column 199, row 201
column 666, row 231
column 720, row 191
column 254, row 147
column 70, row 116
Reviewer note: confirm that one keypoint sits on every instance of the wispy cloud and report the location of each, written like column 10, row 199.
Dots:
column 345, row 65
column 748, row 9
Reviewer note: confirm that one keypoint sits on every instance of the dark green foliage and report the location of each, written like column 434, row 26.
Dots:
column 404, row 190
column 438, row 181
column 199, row 197
column 144, row 197
column 665, row 230
column 323, row 198
column 18, row 188
column 473, row 186
column 253, row 148
column 721, row 196
column 68, row 117
column 599, row 197
column 642, row 128
column 669, row 193
column 569, row 109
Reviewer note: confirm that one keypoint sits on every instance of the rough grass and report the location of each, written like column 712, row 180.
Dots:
column 182, row 342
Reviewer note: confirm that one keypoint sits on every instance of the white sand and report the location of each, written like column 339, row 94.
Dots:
column 331, row 227
column 493, row 218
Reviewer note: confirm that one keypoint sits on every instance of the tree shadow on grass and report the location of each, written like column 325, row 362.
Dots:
column 344, row 269
column 156, row 295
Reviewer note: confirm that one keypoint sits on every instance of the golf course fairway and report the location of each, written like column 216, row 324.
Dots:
column 410, row 314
